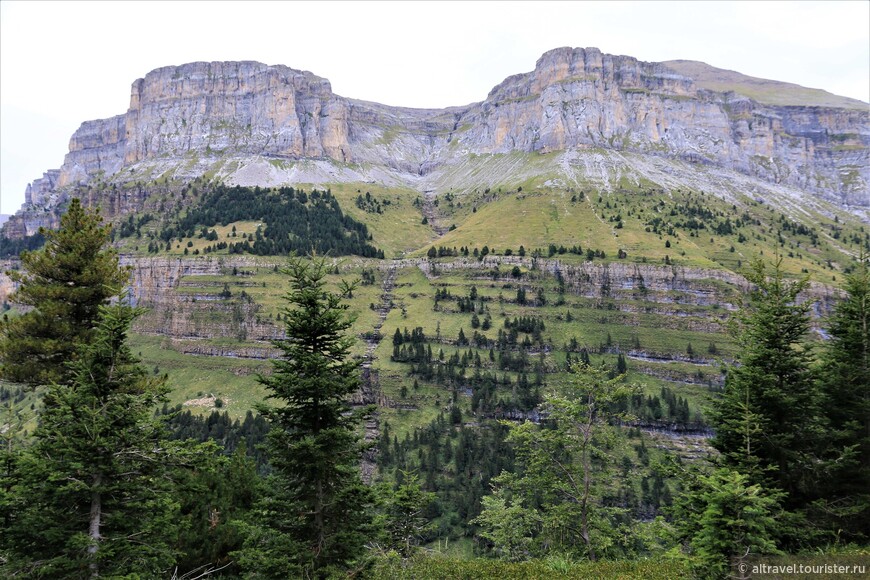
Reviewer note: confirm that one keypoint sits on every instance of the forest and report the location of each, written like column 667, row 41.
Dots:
column 553, row 480
column 293, row 221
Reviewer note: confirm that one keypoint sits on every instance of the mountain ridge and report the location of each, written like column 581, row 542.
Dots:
column 225, row 117
column 717, row 79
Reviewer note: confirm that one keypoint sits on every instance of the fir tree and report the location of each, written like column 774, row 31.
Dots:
column 405, row 524
column 766, row 421
column 317, row 515
column 65, row 282
column 564, row 466
column 736, row 521
column 222, row 489
column 91, row 498
column 845, row 380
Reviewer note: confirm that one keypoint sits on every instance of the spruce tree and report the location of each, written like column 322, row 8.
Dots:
column 766, row 421
column 65, row 283
column 91, row 498
column 317, row 515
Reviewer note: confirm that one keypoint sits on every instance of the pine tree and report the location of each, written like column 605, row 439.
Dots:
column 766, row 421
column 317, row 515
column 65, row 282
column 92, row 498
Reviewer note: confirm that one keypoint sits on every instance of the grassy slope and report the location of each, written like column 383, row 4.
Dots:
column 234, row 380
column 398, row 229
column 503, row 219
column 535, row 218
column 203, row 379
column 764, row 91
column 541, row 217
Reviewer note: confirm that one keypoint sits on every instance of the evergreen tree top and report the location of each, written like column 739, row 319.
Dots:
column 65, row 282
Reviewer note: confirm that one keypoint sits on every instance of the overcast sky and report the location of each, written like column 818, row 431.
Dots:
column 68, row 62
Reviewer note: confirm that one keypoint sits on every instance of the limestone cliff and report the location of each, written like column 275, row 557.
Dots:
column 581, row 97
column 190, row 118
column 185, row 304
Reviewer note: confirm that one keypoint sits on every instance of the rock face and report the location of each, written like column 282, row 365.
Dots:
column 241, row 106
column 575, row 99
column 578, row 97
column 185, row 305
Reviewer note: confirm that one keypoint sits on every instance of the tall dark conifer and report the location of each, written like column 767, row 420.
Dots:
column 845, row 380
column 767, row 419
column 65, row 283
column 91, row 496
column 317, row 515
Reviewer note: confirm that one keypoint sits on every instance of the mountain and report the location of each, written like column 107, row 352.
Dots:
column 764, row 91
column 637, row 187
column 580, row 117
column 596, row 208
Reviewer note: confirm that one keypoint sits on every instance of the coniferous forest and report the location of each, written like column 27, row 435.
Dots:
column 539, row 479
column 293, row 222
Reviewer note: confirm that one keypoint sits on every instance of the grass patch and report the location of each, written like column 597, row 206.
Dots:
column 454, row 567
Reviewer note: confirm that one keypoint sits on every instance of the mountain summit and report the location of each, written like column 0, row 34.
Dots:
column 579, row 115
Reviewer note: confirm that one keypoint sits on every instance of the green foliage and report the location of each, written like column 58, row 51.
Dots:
column 788, row 425
column 403, row 519
column 296, row 222
column 370, row 203
column 452, row 568
column 767, row 421
column 91, row 497
column 247, row 434
column 455, row 463
column 736, row 522
column 844, row 376
column 508, row 524
column 65, row 282
column 219, row 491
column 316, row 514
column 554, row 500
column 12, row 248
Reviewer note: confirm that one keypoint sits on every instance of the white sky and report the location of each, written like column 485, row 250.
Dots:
column 68, row 62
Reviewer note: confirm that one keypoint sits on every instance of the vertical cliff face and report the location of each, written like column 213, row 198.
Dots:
column 243, row 107
column 38, row 191
column 95, row 150
column 583, row 98
column 574, row 99
column 213, row 108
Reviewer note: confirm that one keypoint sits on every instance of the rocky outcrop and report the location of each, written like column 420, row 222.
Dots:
column 37, row 193
column 201, row 311
column 183, row 118
column 7, row 287
column 239, row 106
column 581, row 98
